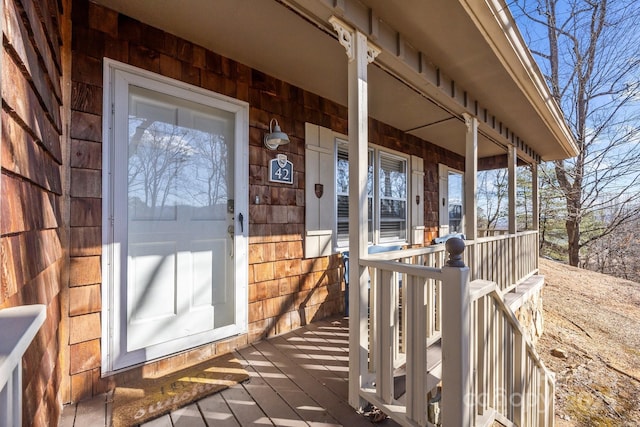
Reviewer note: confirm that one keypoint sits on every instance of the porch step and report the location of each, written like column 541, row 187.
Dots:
column 434, row 372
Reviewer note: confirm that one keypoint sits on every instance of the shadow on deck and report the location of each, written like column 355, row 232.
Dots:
column 297, row 379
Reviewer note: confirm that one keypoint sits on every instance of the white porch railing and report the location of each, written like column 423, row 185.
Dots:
column 18, row 327
column 506, row 259
column 429, row 327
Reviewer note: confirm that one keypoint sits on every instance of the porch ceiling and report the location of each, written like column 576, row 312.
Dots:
column 269, row 36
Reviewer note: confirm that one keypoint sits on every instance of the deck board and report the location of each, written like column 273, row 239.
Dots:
column 296, row 379
column 92, row 412
column 188, row 416
column 304, row 407
column 244, row 409
column 215, row 411
column 163, row 421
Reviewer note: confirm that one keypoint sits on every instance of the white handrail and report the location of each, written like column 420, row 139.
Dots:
column 18, row 327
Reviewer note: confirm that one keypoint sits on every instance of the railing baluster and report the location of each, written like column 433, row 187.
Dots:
column 438, row 308
column 493, row 372
column 431, row 309
column 483, row 351
column 386, row 332
column 520, row 367
column 403, row 313
column 417, row 350
column 473, row 360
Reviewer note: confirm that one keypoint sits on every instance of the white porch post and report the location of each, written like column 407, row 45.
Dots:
column 456, row 352
column 513, row 224
column 534, row 197
column 471, row 189
column 513, row 163
column 535, row 202
column 471, row 178
column 360, row 54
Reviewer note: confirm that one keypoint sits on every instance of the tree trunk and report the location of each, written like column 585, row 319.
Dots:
column 573, row 234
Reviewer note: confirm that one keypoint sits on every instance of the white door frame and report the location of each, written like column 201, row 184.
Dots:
column 114, row 246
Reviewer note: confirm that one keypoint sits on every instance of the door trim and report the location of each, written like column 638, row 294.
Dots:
column 112, row 248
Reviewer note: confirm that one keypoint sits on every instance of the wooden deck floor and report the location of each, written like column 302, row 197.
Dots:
column 297, row 379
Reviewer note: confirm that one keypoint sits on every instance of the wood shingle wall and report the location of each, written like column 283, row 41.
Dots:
column 31, row 220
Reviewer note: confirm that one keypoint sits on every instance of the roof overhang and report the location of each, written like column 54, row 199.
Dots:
column 439, row 59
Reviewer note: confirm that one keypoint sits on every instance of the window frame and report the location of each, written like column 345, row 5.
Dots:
column 376, row 152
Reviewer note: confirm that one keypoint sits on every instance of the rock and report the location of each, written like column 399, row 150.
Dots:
column 560, row 353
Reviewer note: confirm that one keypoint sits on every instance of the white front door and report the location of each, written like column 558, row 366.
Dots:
column 176, row 203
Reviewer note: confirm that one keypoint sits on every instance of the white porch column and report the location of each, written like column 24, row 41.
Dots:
column 471, row 178
column 535, row 202
column 360, row 53
column 456, row 351
column 513, row 224
column 513, row 164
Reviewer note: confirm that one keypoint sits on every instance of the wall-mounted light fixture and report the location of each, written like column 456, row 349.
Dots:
column 275, row 137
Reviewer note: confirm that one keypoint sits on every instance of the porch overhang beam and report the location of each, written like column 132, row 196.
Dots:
column 360, row 53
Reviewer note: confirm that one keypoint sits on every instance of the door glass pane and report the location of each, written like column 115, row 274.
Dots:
column 455, row 189
column 179, row 156
column 179, row 190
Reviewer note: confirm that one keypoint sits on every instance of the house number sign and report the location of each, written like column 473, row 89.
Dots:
column 281, row 170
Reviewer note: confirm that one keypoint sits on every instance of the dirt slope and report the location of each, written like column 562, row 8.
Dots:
column 596, row 319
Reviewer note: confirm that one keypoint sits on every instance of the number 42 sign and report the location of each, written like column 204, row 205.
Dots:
column 281, row 170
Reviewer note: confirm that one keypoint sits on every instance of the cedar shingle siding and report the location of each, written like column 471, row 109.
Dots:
column 32, row 232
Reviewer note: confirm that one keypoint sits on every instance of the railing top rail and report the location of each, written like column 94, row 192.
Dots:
column 18, row 326
column 479, row 288
column 526, row 232
column 406, row 253
column 495, row 238
column 440, row 247
column 506, row 236
column 409, row 269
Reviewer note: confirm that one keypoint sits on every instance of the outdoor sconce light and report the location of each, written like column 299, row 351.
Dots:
column 275, row 137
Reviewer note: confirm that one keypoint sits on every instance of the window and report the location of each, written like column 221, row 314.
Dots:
column 394, row 180
column 386, row 193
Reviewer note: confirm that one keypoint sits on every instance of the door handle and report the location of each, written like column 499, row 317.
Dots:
column 241, row 219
